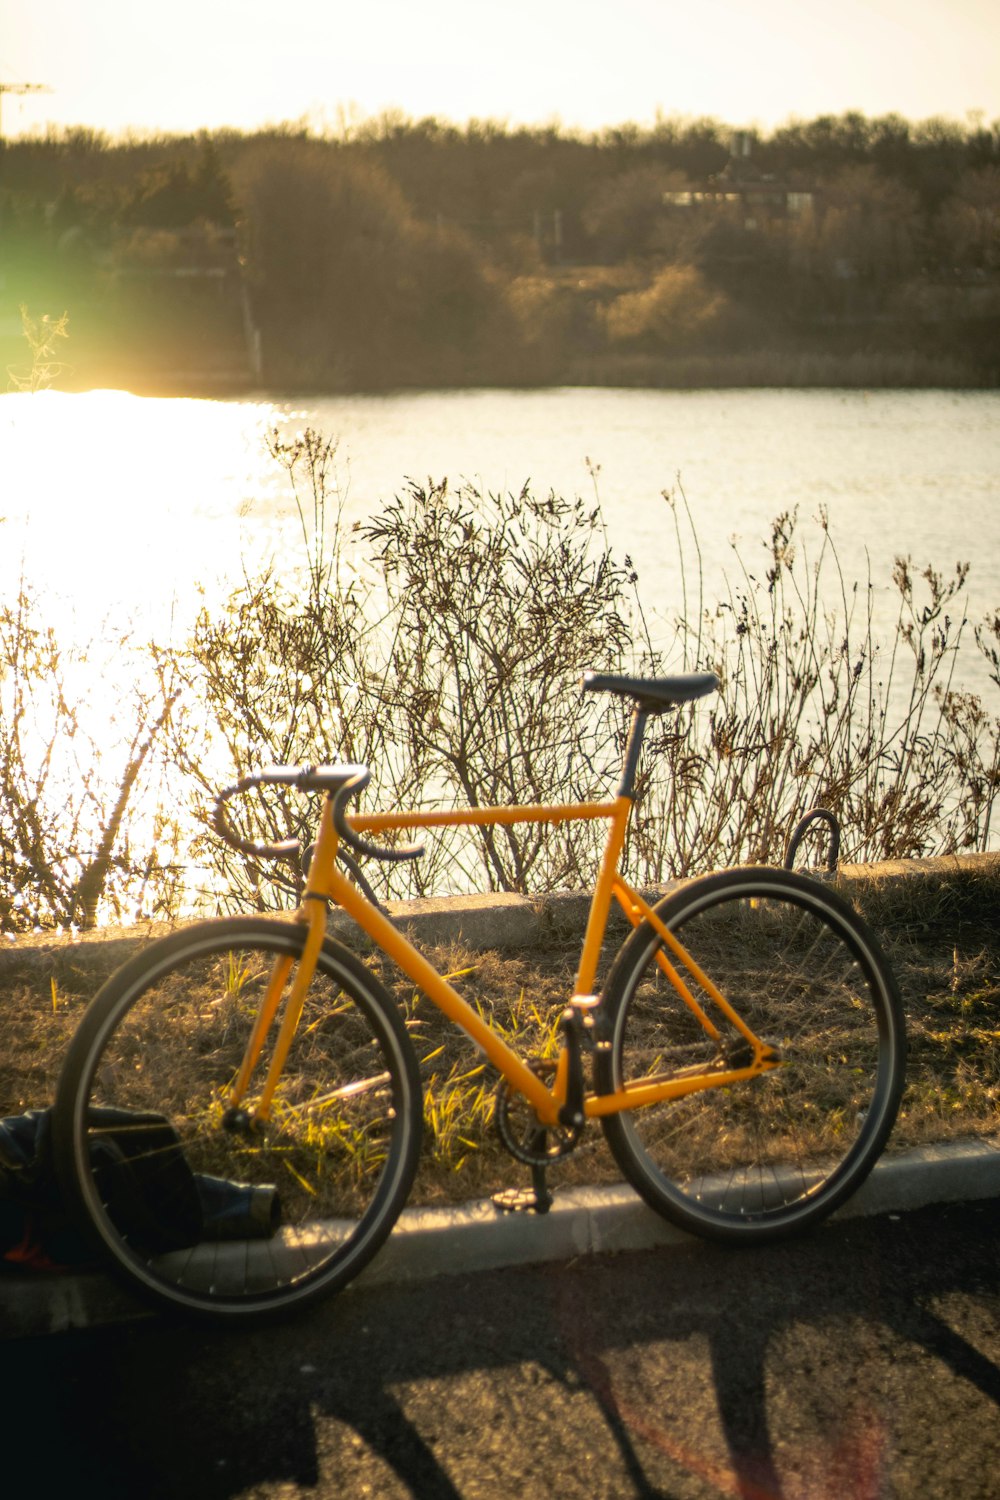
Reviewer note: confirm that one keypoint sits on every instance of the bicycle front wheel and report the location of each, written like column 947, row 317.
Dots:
column 224, row 1222
column 770, row 1155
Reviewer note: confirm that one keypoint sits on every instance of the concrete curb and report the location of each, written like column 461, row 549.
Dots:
column 500, row 920
column 476, row 1237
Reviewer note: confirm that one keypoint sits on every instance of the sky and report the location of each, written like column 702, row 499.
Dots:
column 135, row 66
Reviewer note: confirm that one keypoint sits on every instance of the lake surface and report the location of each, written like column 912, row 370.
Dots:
column 128, row 508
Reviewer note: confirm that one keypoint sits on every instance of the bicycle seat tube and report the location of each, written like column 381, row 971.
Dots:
column 608, row 875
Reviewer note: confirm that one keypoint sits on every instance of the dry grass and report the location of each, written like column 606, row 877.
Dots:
column 940, row 932
column 522, row 997
column 943, row 939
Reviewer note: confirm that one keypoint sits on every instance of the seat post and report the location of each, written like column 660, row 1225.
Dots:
column 627, row 785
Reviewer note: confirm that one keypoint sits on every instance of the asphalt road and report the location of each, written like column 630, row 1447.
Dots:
column 863, row 1361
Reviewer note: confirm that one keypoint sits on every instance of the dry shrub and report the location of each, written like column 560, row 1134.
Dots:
column 443, row 644
column 674, row 311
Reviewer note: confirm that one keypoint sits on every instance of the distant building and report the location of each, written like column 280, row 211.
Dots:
column 757, row 199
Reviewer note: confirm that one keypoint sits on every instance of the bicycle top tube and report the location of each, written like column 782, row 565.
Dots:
column 650, row 695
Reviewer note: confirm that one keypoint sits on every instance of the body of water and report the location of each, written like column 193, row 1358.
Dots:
column 124, row 508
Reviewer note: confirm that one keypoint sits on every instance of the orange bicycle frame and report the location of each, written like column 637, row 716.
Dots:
column 326, row 882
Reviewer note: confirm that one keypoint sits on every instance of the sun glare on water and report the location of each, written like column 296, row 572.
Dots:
column 124, row 508
column 120, row 517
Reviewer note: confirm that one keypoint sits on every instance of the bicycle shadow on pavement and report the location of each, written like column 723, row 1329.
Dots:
column 650, row 1374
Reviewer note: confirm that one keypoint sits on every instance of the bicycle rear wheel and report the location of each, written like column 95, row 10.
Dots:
column 237, row 1223
column 768, row 1156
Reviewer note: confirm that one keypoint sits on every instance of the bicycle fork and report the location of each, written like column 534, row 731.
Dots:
column 236, row 1117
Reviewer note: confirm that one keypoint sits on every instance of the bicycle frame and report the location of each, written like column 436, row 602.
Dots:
column 326, row 882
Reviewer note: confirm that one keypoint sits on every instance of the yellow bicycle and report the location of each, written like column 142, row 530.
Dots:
column 254, row 1080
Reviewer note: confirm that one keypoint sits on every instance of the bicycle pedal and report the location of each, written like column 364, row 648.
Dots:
column 522, row 1200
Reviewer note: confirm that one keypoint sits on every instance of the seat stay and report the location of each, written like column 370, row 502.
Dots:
column 638, row 911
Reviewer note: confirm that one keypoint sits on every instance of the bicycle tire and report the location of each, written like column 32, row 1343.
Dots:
column 767, row 1157
column 165, row 1036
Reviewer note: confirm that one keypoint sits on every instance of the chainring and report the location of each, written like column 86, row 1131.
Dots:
column 519, row 1128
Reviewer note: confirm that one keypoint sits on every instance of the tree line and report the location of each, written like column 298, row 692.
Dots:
column 398, row 252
